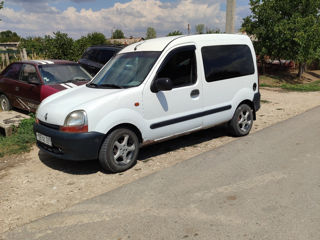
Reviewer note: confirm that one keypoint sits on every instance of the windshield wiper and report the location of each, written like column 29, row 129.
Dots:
column 109, row 86
column 92, row 85
column 78, row 80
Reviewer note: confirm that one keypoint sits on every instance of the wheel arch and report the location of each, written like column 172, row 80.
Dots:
column 251, row 105
column 128, row 126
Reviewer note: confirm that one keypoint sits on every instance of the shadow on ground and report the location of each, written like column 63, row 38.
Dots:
column 92, row 166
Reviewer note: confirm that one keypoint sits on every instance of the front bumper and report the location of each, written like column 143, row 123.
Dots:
column 70, row 146
column 256, row 101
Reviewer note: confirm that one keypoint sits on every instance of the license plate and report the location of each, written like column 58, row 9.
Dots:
column 44, row 139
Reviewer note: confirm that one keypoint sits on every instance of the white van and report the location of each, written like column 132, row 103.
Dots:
column 150, row 91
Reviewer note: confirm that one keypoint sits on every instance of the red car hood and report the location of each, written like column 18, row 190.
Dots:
column 48, row 90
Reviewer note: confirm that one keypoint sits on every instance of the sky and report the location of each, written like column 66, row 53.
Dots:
column 133, row 17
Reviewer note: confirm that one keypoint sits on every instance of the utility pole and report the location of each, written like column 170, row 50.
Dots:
column 230, row 16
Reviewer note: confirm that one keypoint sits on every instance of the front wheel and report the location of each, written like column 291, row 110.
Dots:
column 242, row 121
column 4, row 103
column 119, row 150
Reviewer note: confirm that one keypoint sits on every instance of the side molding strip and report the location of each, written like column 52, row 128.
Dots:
column 189, row 117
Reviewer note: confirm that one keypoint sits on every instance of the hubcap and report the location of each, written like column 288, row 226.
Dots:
column 123, row 149
column 244, row 120
column 4, row 105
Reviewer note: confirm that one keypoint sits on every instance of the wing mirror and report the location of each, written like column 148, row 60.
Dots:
column 161, row 84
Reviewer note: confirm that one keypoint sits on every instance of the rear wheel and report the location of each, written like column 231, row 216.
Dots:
column 242, row 121
column 4, row 103
column 119, row 150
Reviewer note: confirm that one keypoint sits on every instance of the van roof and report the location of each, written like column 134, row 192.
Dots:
column 159, row 44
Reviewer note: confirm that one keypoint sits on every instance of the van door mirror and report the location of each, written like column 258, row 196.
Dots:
column 161, row 84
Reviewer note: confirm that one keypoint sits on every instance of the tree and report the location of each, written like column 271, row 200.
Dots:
column 117, row 34
column 9, row 36
column 175, row 33
column 1, row 6
column 200, row 28
column 96, row 38
column 59, row 47
column 211, row 31
column 151, row 33
column 287, row 29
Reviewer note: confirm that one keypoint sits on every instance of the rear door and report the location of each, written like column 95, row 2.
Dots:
column 9, row 81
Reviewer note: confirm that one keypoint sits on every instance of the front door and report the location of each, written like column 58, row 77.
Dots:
column 28, row 94
column 175, row 111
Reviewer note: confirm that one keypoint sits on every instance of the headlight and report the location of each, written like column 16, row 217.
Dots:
column 76, row 121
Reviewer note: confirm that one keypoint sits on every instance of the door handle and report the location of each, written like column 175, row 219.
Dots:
column 17, row 89
column 195, row 93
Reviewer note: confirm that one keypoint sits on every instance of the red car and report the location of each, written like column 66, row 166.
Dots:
column 25, row 84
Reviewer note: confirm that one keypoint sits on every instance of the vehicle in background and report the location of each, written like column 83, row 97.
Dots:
column 95, row 57
column 25, row 84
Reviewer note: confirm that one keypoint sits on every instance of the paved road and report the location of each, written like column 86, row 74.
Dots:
column 264, row 186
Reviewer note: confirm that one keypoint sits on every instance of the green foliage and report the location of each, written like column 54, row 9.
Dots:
column 200, row 28
column 212, row 31
column 151, row 33
column 9, row 36
column 117, row 34
column 59, row 46
column 35, row 45
column 286, row 29
column 1, row 6
column 175, row 33
column 21, row 140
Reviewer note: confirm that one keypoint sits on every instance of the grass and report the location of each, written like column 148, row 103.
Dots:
column 20, row 141
column 275, row 82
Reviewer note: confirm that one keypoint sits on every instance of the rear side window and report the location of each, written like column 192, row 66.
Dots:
column 104, row 56
column 13, row 71
column 227, row 61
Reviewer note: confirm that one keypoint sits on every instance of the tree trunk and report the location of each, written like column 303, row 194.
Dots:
column 301, row 69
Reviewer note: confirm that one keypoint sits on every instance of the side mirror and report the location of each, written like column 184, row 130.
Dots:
column 33, row 80
column 161, row 84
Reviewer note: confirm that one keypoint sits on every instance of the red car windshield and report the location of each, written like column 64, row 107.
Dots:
column 61, row 73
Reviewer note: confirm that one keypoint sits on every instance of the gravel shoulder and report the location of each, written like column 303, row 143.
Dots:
column 34, row 185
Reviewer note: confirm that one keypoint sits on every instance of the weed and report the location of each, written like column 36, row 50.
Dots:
column 21, row 140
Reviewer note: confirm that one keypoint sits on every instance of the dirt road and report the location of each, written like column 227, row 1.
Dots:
column 34, row 185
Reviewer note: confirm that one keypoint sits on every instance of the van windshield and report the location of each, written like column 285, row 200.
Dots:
column 125, row 70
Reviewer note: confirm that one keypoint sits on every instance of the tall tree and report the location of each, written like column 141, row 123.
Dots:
column 9, row 36
column 151, row 33
column 59, row 46
column 117, row 34
column 200, row 28
column 1, row 6
column 288, row 29
column 175, row 33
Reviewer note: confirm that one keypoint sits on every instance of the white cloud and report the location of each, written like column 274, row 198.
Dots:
column 132, row 17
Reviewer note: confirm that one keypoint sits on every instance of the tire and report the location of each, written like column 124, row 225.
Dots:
column 242, row 121
column 119, row 151
column 5, row 104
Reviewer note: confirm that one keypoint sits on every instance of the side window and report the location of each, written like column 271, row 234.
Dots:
column 227, row 61
column 13, row 71
column 104, row 56
column 180, row 67
column 29, row 73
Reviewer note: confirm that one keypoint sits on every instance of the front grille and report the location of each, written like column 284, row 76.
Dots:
column 56, row 127
column 52, row 149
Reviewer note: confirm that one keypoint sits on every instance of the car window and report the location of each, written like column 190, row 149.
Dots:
column 227, row 61
column 104, row 56
column 13, row 71
column 86, row 54
column 29, row 73
column 60, row 73
column 180, row 67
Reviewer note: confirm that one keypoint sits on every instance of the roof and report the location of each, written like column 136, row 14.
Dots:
column 159, row 44
column 45, row 62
